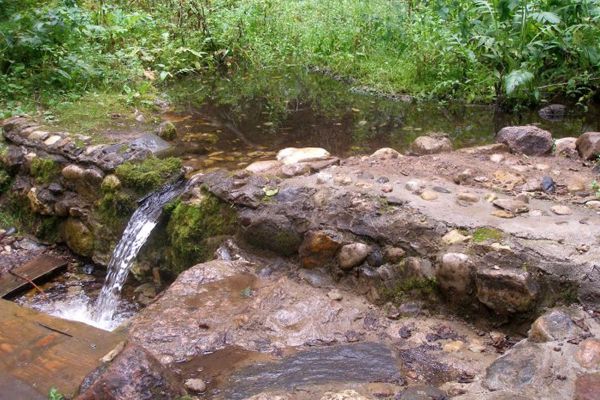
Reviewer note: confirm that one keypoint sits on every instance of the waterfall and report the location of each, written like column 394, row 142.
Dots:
column 138, row 229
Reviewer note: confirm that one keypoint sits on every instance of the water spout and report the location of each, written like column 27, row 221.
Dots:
column 139, row 228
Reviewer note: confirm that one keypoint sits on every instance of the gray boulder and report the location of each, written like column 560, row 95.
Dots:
column 529, row 140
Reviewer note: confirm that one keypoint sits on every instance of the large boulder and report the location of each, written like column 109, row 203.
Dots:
column 529, row 140
column 588, row 145
column 431, row 144
column 134, row 374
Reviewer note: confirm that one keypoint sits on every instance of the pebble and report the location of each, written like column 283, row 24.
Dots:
column 453, row 346
column 476, row 347
column 195, row 385
column 429, row 195
column 414, row 185
column 12, row 230
column 523, row 198
column 490, row 197
column 324, row 177
column 335, row 295
column 536, row 213
column 343, row 181
column 454, row 237
column 561, row 210
column 497, row 158
column 548, row 184
column 514, row 206
column 440, row 189
column 594, row 204
column 468, row 197
column 503, row 214
column 542, row 167
column 88, row 269
column 387, row 188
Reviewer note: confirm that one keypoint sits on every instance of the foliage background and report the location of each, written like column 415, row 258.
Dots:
column 509, row 51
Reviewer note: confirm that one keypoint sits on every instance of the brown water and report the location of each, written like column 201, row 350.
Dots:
column 230, row 123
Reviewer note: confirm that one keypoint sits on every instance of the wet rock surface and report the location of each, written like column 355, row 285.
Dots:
column 511, row 268
column 133, row 375
column 360, row 362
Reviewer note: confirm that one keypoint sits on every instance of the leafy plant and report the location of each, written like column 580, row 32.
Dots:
column 54, row 394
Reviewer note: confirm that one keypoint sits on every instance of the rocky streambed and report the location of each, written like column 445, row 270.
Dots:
column 469, row 274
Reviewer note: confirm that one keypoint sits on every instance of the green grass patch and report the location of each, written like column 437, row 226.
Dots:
column 485, row 234
column 96, row 112
column 149, row 174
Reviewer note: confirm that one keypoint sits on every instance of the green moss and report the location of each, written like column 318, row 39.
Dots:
column 411, row 287
column 149, row 174
column 190, row 225
column 16, row 212
column 44, row 170
column 568, row 295
column 115, row 208
column 483, row 234
column 5, row 180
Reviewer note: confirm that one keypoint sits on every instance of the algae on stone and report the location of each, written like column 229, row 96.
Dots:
column 78, row 237
column 483, row 234
column 44, row 170
column 149, row 174
column 191, row 224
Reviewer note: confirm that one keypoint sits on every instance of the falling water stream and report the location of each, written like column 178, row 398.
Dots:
column 141, row 224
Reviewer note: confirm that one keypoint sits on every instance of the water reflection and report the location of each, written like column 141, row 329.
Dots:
column 246, row 115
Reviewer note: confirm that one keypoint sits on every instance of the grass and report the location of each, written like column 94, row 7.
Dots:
column 96, row 112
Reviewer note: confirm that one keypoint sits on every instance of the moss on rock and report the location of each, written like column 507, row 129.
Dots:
column 190, row 226
column 78, row 237
column 5, row 180
column 149, row 174
column 44, row 170
column 483, row 234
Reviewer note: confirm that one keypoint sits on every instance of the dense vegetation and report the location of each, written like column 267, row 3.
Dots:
column 517, row 51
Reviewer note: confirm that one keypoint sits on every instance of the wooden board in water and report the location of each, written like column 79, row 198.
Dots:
column 32, row 270
column 38, row 352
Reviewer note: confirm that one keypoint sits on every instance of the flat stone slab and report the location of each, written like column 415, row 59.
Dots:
column 39, row 352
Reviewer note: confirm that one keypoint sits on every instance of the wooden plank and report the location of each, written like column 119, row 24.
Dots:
column 38, row 351
column 32, row 270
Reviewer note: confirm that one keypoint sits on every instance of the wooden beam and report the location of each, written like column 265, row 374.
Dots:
column 22, row 275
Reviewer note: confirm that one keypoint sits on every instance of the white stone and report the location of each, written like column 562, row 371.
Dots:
column 258, row 167
column 454, row 237
column 293, row 155
column 386, row 153
column 52, row 140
